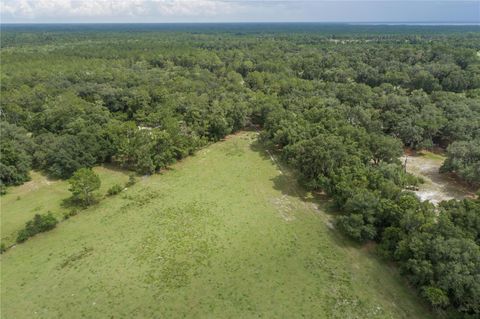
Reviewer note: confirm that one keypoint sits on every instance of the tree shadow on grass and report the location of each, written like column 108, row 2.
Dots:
column 287, row 181
column 116, row 168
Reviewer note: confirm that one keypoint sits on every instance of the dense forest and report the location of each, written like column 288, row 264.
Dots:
column 337, row 103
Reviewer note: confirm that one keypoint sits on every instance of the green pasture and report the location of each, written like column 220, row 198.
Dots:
column 223, row 234
column 41, row 195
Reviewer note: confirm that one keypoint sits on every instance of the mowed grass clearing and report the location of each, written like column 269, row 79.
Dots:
column 223, row 234
column 41, row 195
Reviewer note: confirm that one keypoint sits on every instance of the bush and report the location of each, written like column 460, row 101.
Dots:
column 69, row 214
column 3, row 188
column 3, row 248
column 114, row 190
column 436, row 296
column 23, row 235
column 39, row 224
column 131, row 180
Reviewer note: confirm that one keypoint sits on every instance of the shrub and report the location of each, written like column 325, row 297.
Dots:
column 131, row 180
column 39, row 224
column 23, row 235
column 436, row 296
column 3, row 188
column 69, row 214
column 3, row 248
column 114, row 190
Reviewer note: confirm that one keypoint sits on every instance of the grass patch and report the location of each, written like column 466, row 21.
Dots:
column 41, row 195
column 222, row 234
column 432, row 156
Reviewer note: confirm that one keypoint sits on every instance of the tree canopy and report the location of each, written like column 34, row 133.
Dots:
column 338, row 103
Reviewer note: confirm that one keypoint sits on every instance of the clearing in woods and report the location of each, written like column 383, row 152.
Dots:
column 220, row 235
column 437, row 186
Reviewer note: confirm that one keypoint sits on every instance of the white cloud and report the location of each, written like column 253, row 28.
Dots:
column 47, row 9
column 65, row 11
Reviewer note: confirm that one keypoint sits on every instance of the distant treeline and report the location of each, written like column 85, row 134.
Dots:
column 338, row 102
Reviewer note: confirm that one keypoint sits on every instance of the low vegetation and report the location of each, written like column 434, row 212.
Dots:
column 41, row 195
column 39, row 224
column 114, row 190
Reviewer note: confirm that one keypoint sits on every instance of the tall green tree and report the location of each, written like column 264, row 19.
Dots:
column 83, row 185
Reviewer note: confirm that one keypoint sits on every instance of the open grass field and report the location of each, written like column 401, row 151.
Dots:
column 223, row 234
column 41, row 195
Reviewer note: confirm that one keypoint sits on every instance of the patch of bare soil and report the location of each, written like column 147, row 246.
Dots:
column 35, row 183
column 437, row 186
column 285, row 208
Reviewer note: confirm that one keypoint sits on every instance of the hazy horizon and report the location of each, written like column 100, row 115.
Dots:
column 419, row 23
column 239, row 11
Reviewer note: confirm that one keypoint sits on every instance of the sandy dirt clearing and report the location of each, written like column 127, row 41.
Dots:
column 437, row 186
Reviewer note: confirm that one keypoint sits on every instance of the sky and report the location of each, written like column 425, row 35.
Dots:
column 167, row 11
